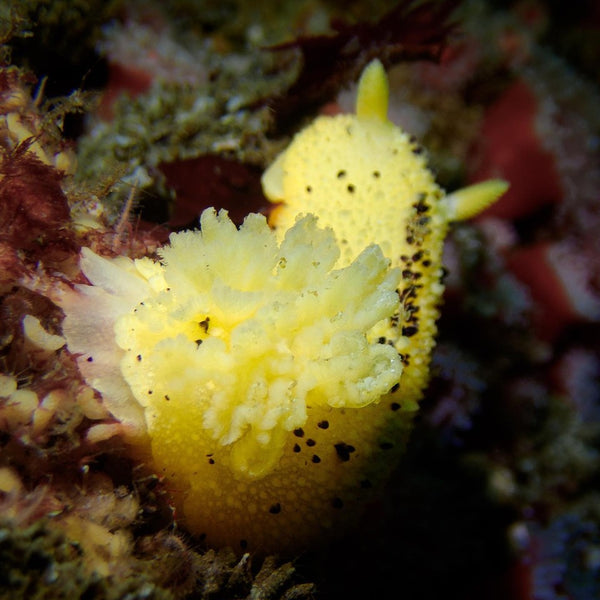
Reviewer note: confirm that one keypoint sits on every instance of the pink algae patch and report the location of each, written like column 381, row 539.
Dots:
column 510, row 148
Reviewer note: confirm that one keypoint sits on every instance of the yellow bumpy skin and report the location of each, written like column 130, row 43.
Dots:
column 368, row 180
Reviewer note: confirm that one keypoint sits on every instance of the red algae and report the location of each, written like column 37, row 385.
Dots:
column 510, row 147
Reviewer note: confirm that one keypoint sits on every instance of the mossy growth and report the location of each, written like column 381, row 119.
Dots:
column 39, row 563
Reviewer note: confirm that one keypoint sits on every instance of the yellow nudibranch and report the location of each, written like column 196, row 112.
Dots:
column 274, row 372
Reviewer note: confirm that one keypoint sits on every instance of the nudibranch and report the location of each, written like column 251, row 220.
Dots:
column 274, row 372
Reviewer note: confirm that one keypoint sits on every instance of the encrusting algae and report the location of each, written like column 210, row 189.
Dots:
column 274, row 373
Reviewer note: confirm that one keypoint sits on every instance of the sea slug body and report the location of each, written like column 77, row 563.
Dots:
column 273, row 373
